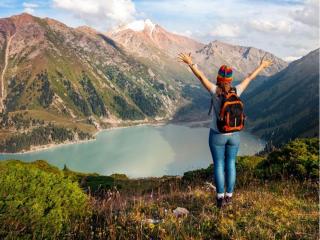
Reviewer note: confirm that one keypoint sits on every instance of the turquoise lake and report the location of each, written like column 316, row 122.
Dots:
column 139, row 151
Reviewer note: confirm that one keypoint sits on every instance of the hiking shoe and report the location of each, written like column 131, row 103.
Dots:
column 228, row 200
column 220, row 202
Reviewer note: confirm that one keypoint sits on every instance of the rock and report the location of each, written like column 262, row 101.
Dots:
column 179, row 211
column 151, row 221
column 210, row 186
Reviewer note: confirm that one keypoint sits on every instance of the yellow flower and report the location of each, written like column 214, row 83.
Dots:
column 151, row 225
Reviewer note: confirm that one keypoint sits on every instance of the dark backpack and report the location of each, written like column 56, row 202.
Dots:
column 231, row 115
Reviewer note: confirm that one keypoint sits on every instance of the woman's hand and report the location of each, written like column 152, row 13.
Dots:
column 265, row 62
column 186, row 58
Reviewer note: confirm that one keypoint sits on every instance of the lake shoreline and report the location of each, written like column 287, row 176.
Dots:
column 153, row 149
column 38, row 148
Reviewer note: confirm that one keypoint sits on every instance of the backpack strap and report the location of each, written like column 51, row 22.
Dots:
column 234, row 89
column 211, row 105
column 211, row 102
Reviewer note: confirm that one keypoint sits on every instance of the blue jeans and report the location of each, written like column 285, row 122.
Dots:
column 224, row 149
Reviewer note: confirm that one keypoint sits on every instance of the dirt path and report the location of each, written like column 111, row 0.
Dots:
column 2, row 92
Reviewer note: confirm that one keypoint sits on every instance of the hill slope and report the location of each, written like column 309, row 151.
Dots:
column 75, row 78
column 82, row 64
column 242, row 59
column 287, row 105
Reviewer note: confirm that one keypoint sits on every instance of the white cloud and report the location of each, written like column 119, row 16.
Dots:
column 291, row 58
column 225, row 30
column 102, row 14
column 263, row 24
column 309, row 14
column 138, row 25
column 28, row 10
column 186, row 33
column 185, row 7
column 267, row 26
column 5, row 4
column 29, row 7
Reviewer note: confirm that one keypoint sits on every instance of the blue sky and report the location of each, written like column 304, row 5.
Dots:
column 286, row 28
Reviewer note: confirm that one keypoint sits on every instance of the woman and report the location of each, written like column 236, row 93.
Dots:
column 223, row 146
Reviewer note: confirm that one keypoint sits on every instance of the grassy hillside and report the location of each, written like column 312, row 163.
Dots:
column 276, row 197
column 75, row 78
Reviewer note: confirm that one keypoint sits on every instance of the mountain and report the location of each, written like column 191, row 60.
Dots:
column 70, row 55
column 158, row 48
column 145, row 37
column 151, row 41
column 287, row 105
column 75, row 77
column 242, row 59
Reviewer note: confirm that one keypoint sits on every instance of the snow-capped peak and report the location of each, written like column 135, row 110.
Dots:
column 138, row 26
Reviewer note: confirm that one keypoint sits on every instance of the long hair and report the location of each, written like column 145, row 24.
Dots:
column 223, row 87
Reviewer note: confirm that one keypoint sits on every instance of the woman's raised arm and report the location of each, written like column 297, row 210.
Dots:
column 245, row 82
column 186, row 58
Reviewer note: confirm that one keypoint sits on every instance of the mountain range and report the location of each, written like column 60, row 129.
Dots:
column 148, row 40
column 84, row 79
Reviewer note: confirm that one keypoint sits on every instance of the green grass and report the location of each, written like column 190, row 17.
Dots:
column 259, row 211
column 57, row 119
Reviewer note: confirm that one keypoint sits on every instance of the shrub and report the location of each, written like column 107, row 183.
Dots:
column 38, row 202
column 298, row 159
column 119, row 176
column 198, row 175
column 246, row 166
